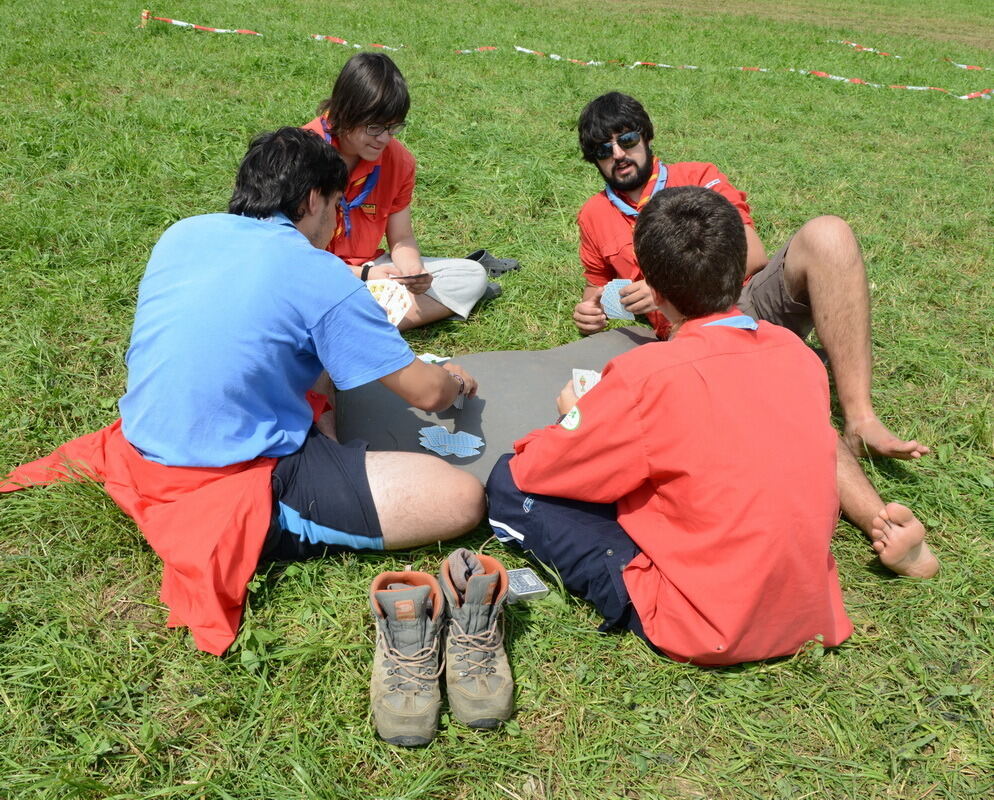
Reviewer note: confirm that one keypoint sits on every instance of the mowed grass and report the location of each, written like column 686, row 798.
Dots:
column 110, row 133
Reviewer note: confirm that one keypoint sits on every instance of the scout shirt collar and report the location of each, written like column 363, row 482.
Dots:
column 733, row 318
column 656, row 182
column 362, row 179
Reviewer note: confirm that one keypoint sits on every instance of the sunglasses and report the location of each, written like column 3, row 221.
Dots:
column 393, row 130
column 626, row 141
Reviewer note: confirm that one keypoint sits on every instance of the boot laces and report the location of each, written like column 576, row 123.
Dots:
column 411, row 673
column 476, row 650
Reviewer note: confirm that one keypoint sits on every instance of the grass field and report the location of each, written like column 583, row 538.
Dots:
column 110, row 133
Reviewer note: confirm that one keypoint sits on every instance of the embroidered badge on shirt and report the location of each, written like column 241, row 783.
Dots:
column 572, row 420
column 369, row 208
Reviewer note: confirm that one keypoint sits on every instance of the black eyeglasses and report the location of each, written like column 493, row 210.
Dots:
column 626, row 141
column 379, row 130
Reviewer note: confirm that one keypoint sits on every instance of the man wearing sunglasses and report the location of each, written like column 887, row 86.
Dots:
column 817, row 280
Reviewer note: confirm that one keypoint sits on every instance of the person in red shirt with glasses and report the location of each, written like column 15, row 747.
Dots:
column 692, row 494
column 815, row 281
column 366, row 110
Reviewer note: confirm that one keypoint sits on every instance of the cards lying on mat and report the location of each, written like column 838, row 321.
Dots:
column 611, row 300
column 584, row 380
column 459, row 444
column 393, row 297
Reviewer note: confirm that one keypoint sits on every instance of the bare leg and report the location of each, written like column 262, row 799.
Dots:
column 895, row 533
column 421, row 500
column 423, row 311
column 824, row 268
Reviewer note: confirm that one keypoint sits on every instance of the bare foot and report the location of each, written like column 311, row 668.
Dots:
column 870, row 437
column 899, row 539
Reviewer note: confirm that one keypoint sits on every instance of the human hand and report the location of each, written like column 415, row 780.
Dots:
column 637, row 298
column 418, row 283
column 567, row 399
column 469, row 385
column 589, row 316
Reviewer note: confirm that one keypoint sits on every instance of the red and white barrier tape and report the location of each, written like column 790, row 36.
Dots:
column 555, row 57
column 322, row 38
column 968, row 66
column 986, row 94
column 982, row 94
column 861, row 49
column 147, row 15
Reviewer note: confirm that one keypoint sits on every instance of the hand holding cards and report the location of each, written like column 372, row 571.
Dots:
column 611, row 300
column 584, row 380
column 418, row 283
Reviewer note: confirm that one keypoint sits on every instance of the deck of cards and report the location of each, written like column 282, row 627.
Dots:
column 461, row 444
column 611, row 300
column 393, row 297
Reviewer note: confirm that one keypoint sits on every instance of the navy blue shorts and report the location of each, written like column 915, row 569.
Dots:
column 583, row 542
column 321, row 502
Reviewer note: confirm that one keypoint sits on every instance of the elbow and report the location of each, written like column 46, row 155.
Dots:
column 433, row 400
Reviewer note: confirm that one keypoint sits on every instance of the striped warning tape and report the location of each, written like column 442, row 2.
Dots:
column 337, row 40
column 862, row 49
column 147, row 17
column 982, row 94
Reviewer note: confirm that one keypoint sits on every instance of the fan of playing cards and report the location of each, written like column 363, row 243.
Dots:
column 611, row 300
column 394, row 298
column 460, row 444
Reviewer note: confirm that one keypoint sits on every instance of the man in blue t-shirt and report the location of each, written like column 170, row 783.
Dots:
column 238, row 314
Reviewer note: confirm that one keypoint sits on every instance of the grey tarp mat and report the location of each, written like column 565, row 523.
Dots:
column 518, row 390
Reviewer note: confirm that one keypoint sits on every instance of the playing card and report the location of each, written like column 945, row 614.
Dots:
column 463, row 452
column 464, row 439
column 438, row 440
column 393, row 297
column 584, row 380
column 611, row 300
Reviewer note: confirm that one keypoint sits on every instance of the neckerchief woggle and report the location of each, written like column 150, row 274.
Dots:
column 656, row 182
column 368, row 183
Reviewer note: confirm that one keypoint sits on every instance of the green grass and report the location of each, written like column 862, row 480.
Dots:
column 108, row 134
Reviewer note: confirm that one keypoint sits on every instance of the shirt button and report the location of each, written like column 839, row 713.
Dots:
column 610, row 552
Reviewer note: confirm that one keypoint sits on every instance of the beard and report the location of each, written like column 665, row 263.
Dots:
column 636, row 181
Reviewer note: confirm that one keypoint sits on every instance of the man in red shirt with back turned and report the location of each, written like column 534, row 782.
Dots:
column 817, row 280
column 691, row 494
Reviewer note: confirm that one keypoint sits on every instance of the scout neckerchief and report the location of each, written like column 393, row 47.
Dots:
column 367, row 182
column 657, row 181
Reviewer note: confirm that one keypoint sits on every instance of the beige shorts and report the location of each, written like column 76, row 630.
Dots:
column 766, row 297
column 456, row 283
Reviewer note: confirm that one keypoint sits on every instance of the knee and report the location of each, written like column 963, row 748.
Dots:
column 475, row 277
column 824, row 232
column 468, row 501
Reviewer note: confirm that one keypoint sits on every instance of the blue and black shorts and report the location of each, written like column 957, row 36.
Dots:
column 582, row 541
column 322, row 502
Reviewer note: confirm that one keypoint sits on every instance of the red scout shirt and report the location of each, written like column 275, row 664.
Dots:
column 717, row 448
column 392, row 193
column 606, row 249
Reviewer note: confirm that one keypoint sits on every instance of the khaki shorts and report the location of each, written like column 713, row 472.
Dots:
column 766, row 297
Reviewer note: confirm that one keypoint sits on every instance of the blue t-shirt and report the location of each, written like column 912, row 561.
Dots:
column 236, row 318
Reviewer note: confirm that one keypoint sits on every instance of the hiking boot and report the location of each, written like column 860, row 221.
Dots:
column 404, row 693
column 477, row 675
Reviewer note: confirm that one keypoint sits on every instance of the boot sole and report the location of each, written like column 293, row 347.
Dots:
column 408, row 741
column 485, row 722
